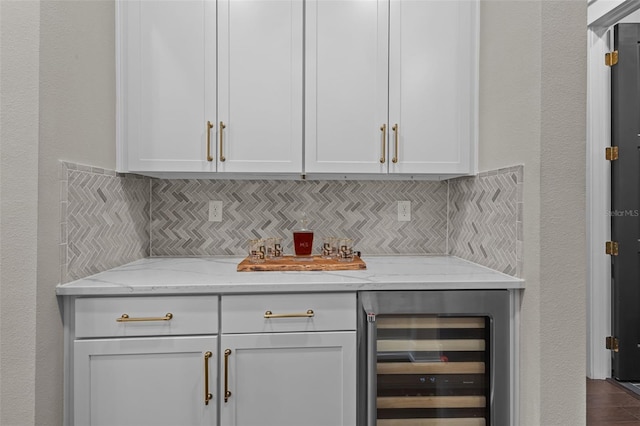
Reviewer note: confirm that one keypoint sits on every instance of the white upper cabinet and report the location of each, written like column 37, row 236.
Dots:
column 346, row 86
column 433, row 73
column 260, row 86
column 391, row 87
column 168, row 79
column 167, row 84
column 298, row 87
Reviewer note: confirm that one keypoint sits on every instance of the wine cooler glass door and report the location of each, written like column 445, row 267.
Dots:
column 437, row 364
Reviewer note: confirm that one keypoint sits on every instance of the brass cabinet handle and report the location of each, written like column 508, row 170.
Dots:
column 207, row 396
column 227, row 392
column 126, row 318
column 395, row 133
column 307, row 314
column 208, row 130
column 383, row 129
column 222, row 127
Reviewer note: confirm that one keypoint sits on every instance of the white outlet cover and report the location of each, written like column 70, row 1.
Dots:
column 404, row 211
column 215, row 211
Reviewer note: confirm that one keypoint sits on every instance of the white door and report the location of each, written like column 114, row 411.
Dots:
column 433, row 73
column 346, row 86
column 168, row 80
column 288, row 379
column 145, row 381
column 260, row 86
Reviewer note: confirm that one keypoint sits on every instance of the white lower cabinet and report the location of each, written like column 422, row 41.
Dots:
column 137, row 361
column 273, row 359
column 145, row 381
column 290, row 360
column 288, row 379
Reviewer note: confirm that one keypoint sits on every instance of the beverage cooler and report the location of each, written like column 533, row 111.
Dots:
column 435, row 358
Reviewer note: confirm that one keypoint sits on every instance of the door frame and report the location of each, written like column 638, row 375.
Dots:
column 602, row 14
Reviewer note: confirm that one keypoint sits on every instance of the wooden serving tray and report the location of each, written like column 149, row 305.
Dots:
column 289, row 263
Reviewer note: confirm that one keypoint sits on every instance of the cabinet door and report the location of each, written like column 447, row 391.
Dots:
column 346, row 89
column 167, row 79
column 289, row 379
column 144, row 381
column 260, row 86
column 433, row 74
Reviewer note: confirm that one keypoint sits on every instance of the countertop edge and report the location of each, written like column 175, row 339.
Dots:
column 217, row 276
column 285, row 288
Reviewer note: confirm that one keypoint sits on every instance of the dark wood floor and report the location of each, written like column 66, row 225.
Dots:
column 611, row 404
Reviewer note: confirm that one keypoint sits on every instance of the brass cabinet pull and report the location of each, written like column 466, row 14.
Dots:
column 222, row 127
column 208, row 130
column 207, row 396
column 126, row 318
column 383, row 129
column 227, row 392
column 307, row 314
column 395, row 133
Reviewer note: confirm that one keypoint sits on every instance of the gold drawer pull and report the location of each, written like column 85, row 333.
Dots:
column 227, row 392
column 208, row 130
column 207, row 396
column 383, row 151
column 222, row 127
column 125, row 318
column 308, row 314
column 395, row 132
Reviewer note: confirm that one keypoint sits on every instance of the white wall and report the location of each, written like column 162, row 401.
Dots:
column 533, row 109
column 19, row 37
column 563, row 245
column 58, row 102
column 77, row 124
column 510, row 113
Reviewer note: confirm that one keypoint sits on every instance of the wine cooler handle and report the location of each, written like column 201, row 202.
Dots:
column 372, row 364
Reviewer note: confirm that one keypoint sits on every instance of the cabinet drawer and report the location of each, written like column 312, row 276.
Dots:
column 147, row 316
column 288, row 312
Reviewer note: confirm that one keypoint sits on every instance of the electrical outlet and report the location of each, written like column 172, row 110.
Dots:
column 404, row 211
column 215, row 211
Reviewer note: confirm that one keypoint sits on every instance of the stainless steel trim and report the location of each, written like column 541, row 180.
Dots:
column 372, row 383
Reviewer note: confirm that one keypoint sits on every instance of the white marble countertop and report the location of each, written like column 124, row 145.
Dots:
column 197, row 275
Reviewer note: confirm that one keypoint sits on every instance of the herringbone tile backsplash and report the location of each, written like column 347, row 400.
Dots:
column 363, row 210
column 105, row 220
column 109, row 219
column 485, row 219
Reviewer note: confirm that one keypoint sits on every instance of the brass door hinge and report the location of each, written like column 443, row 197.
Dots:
column 611, row 153
column 611, row 248
column 611, row 58
column 612, row 343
